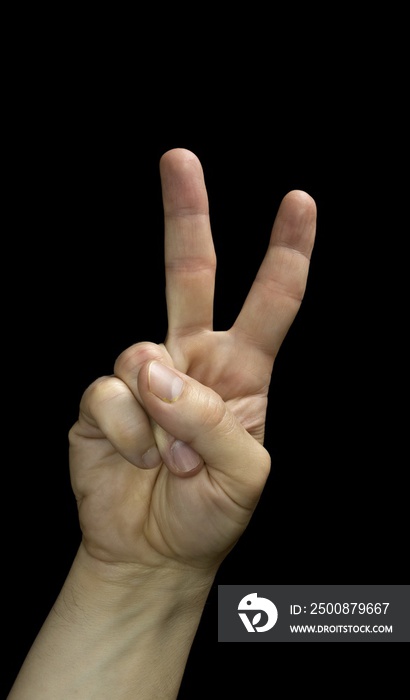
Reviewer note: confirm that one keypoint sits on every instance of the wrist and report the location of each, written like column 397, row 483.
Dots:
column 96, row 586
column 115, row 630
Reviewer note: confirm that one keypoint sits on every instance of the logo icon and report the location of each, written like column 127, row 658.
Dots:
column 255, row 603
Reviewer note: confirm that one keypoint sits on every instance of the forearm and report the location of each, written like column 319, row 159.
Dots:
column 112, row 640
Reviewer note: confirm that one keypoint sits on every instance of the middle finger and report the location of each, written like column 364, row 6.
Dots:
column 190, row 261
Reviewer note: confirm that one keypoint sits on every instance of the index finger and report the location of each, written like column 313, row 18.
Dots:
column 279, row 286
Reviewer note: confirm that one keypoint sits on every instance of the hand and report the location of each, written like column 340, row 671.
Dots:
column 167, row 459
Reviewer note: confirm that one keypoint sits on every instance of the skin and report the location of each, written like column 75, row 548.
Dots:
column 152, row 528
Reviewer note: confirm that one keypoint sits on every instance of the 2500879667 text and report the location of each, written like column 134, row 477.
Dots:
column 340, row 609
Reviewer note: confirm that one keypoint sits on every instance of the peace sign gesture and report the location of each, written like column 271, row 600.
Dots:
column 167, row 459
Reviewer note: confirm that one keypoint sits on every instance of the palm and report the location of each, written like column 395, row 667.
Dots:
column 233, row 377
column 149, row 517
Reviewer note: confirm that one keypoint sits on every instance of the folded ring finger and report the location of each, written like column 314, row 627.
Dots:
column 110, row 406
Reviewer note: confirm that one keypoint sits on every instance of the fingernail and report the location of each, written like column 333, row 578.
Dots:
column 185, row 458
column 163, row 382
column 152, row 458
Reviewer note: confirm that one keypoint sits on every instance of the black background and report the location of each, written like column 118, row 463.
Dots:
column 84, row 253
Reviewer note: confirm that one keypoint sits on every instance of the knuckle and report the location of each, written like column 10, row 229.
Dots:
column 217, row 418
column 128, row 363
column 100, row 391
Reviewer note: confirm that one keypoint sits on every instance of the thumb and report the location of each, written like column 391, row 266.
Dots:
column 200, row 432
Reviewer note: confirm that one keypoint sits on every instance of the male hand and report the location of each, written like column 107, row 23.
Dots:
column 167, row 458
